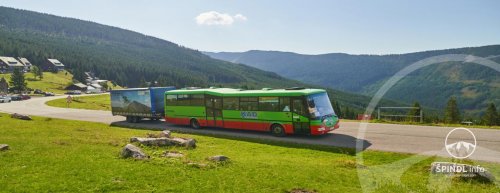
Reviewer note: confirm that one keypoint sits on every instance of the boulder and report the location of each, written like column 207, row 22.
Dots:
column 134, row 139
column 163, row 141
column 152, row 141
column 4, row 147
column 165, row 133
column 173, row 154
column 19, row 116
column 462, row 170
column 188, row 143
column 132, row 151
column 197, row 165
column 301, row 190
column 219, row 158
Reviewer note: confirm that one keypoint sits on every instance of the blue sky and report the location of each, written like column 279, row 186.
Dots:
column 310, row 27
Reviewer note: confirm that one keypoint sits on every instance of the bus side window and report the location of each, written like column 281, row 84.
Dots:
column 285, row 104
column 197, row 100
column 298, row 106
column 231, row 103
column 183, row 100
column 249, row 103
column 269, row 104
column 172, row 100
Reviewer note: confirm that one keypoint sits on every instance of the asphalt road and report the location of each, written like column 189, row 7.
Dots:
column 427, row 140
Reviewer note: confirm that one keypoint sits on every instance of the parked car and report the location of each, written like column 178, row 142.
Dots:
column 16, row 98
column 49, row 94
column 25, row 97
column 38, row 91
column 5, row 99
column 74, row 92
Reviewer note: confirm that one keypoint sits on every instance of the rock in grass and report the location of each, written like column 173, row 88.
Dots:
column 4, row 147
column 188, row 143
column 197, row 165
column 219, row 158
column 165, row 133
column 151, row 141
column 163, row 141
column 173, row 154
column 19, row 116
column 132, row 151
column 301, row 190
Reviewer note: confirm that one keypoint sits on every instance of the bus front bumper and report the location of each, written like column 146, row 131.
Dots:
column 321, row 130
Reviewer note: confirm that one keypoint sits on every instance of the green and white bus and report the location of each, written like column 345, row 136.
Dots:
column 280, row 111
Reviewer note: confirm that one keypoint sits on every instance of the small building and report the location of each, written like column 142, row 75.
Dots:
column 8, row 64
column 97, row 81
column 53, row 65
column 27, row 64
column 96, row 86
column 91, row 89
column 77, row 86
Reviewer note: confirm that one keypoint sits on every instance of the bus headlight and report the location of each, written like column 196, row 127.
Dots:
column 321, row 129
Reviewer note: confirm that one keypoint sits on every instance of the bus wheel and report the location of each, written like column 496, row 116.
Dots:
column 277, row 130
column 195, row 124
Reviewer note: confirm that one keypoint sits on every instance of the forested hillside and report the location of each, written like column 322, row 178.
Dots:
column 130, row 58
column 113, row 53
column 474, row 85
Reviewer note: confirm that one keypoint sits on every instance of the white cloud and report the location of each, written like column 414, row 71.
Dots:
column 216, row 18
column 240, row 17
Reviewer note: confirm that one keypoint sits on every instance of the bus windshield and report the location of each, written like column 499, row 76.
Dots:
column 319, row 105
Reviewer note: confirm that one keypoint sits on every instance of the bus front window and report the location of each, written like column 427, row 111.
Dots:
column 319, row 105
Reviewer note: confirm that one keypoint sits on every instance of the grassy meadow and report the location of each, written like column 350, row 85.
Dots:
column 52, row 155
column 92, row 102
column 51, row 82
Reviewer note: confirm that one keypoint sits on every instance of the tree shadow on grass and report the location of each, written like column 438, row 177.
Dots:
column 331, row 142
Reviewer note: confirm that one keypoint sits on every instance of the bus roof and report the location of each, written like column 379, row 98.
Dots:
column 241, row 92
column 141, row 89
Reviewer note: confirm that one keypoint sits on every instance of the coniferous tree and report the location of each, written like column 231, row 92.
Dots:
column 39, row 73
column 143, row 83
column 4, row 86
column 414, row 112
column 17, row 81
column 36, row 72
column 491, row 117
column 347, row 113
column 452, row 114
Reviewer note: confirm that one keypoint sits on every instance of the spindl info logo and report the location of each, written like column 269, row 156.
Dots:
column 460, row 143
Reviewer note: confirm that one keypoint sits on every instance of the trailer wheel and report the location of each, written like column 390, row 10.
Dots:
column 195, row 124
column 278, row 130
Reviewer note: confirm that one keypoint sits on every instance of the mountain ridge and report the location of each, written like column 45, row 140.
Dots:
column 364, row 74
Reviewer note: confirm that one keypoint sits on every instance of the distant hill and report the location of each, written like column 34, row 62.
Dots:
column 130, row 58
column 472, row 84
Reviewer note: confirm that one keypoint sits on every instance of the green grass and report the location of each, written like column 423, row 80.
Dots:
column 93, row 102
column 52, row 155
column 51, row 82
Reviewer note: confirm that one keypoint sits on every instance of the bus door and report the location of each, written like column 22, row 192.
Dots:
column 299, row 118
column 213, row 106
